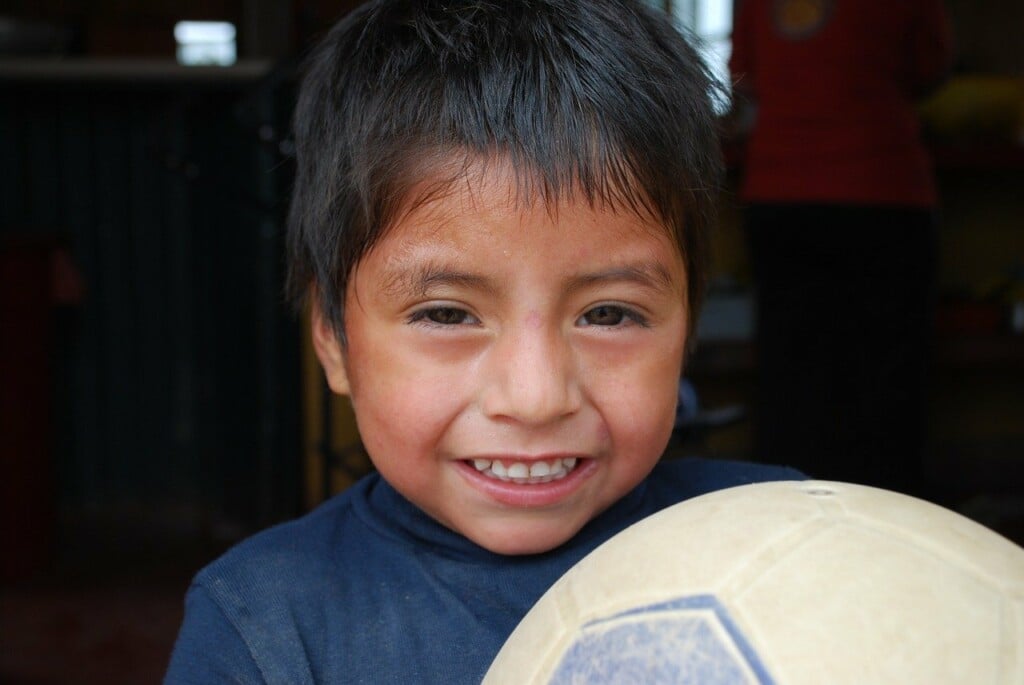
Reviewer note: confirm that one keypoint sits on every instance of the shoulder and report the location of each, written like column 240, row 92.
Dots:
column 679, row 479
column 287, row 560
column 272, row 603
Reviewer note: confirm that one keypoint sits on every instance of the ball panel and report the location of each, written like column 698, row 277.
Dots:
column 1011, row 660
column 899, row 610
column 688, row 543
column 687, row 640
column 945, row 533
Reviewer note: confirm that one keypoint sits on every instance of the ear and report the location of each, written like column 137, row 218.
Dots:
column 329, row 351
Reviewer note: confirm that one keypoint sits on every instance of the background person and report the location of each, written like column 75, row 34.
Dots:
column 840, row 221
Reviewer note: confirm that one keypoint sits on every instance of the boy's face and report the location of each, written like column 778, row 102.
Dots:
column 513, row 370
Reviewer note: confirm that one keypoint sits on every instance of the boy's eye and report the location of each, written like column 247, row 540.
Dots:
column 607, row 315
column 444, row 316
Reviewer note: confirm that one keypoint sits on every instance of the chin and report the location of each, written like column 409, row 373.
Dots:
column 523, row 539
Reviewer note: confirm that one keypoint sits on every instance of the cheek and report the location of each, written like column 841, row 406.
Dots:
column 640, row 413
column 404, row 412
column 380, row 413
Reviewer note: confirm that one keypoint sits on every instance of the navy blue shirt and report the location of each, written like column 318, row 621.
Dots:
column 369, row 589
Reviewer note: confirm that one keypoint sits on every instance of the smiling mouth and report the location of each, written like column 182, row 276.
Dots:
column 543, row 471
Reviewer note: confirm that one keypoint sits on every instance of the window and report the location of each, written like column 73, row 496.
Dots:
column 711, row 22
column 203, row 43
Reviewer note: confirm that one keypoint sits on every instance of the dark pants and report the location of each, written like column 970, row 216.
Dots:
column 845, row 311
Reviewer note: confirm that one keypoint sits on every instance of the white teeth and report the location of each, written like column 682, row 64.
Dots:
column 521, row 472
column 518, row 470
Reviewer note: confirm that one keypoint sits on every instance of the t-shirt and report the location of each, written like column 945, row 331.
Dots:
column 369, row 589
column 836, row 84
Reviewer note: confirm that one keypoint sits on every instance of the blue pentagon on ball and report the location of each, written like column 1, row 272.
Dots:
column 685, row 640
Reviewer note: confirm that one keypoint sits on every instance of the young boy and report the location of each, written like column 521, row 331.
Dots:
column 500, row 220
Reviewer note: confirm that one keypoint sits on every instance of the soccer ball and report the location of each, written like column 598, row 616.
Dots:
column 790, row 583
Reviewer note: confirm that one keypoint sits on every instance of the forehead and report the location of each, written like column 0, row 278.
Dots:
column 466, row 200
column 482, row 232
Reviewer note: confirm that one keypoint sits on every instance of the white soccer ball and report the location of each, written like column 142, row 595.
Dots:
column 791, row 583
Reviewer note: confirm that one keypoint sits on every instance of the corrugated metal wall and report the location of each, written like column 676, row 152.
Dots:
column 177, row 373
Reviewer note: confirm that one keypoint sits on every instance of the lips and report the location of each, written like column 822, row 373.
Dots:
column 523, row 472
column 519, row 483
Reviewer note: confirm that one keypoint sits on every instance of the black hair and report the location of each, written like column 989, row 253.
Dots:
column 604, row 99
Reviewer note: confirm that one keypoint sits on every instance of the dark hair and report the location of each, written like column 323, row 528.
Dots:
column 601, row 98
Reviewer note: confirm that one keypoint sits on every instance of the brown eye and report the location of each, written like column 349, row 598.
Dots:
column 448, row 316
column 604, row 315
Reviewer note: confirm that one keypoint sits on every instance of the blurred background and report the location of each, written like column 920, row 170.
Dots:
column 159, row 401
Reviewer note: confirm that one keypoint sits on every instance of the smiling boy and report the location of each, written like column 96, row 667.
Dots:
column 531, row 352
column 500, row 222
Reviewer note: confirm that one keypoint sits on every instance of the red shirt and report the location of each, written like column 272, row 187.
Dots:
column 836, row 83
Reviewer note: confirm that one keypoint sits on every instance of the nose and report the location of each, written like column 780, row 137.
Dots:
column 531, row 377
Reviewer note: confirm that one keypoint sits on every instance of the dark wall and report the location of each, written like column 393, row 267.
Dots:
column 175, row 375
column 171, row 409
column 136, row 28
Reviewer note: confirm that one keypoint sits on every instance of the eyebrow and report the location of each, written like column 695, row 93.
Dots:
column 647, row 274
column 421, row 279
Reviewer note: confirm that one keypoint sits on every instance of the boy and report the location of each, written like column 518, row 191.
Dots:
column 500, row 219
